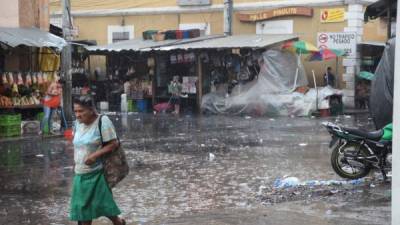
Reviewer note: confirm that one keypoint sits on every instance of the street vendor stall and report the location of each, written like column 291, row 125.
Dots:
column 133, row 68
column 29, row 61
column 224, row 65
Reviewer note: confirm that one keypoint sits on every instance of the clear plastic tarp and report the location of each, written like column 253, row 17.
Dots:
column 273, row 92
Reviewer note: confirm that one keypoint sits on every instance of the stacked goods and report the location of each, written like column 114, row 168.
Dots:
column 171, row 34
column 10, row 125
column 148, row 34
column 19, row 90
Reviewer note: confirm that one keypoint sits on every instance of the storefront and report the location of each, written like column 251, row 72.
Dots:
column 30, row 60
column 134, row 68
column 202, row 65
column 220, row 63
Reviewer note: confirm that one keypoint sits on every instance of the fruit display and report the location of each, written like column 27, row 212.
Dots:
column 23, row 89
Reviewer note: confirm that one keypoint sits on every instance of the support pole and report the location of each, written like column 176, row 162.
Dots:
column 396, row 129
column 199, row 82
column 228, row 15
column 66, row 61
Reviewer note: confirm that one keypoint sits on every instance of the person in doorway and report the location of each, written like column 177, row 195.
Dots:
column 51, row 102
column 362, row 94
column 329, row 77
column 91, row 196
column 175, row 89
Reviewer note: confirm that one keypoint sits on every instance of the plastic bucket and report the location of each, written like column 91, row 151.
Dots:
column 68, row 134
column 142, row 105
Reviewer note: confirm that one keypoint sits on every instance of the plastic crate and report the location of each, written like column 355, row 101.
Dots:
column 10, row 131
column 7, row 119
column 132, row 106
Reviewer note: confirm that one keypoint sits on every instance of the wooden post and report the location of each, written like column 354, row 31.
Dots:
column 199, row 82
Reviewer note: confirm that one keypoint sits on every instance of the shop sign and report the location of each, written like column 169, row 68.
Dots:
column 332, row 15
column 341, row 40
column 289, row 11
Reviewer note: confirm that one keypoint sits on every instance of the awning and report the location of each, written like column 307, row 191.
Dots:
column 254, row 41
column 31, row 37
column 380, row 9
column 140, row 45
column 373, row 43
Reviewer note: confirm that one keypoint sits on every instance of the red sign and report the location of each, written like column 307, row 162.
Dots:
column 323, row 38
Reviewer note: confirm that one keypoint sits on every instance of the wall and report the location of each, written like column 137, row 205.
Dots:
column 55, row 5
column 305, row 27
column 9, row 13
column 34, row 13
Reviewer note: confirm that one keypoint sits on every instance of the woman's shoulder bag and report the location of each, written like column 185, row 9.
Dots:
column 115, row 164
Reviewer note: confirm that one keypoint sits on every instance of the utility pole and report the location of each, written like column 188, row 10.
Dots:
column 228, row 15
column 66, row 60
column 396, row 128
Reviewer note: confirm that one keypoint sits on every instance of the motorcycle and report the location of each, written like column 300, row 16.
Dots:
column 356, row 152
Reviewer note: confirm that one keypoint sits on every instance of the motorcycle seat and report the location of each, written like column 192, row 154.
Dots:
column 372, row 135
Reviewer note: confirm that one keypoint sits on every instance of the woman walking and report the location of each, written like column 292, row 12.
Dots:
column 91, row 196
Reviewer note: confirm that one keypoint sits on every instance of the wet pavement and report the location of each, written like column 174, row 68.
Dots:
column 198, row 170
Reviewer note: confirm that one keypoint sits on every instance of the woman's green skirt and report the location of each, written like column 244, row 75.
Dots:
column 91, row 197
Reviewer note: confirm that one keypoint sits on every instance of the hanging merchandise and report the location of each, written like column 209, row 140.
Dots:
column 151, row 62
column 40, row 78
column 28, row 80
column 10, row 78
column 35, row 79
column 180, row 58
column 192, row 57
column 45, row 79
column 151, row 72
column 4, row 78
column 173, row 59
column 20, row 81
column 204, row 57
column 186, row 58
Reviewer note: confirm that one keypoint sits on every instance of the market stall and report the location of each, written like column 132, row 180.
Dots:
column 29, row 62
column 134, row 69
column 223, row 65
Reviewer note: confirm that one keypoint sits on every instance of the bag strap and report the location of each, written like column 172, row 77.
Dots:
column 101, row 135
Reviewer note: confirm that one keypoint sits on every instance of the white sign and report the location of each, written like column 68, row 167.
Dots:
column 342, row 41
column 275, row 27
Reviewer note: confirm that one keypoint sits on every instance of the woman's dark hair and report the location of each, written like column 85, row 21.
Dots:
column 85, row 101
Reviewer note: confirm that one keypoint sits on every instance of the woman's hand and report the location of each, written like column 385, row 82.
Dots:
column 90, row 159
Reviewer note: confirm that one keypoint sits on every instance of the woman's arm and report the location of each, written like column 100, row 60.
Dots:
column 109, row 147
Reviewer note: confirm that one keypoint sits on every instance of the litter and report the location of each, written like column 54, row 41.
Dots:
column 294, row 182
column 39, row 155
column 303, row 144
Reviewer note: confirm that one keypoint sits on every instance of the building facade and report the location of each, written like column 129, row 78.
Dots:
column 115, row 20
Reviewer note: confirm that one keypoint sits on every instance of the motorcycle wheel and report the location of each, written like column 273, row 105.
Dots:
column 346, row 169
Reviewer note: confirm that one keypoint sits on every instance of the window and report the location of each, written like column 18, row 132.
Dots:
column 275, row 27
column 120, row 33
column 205, row 28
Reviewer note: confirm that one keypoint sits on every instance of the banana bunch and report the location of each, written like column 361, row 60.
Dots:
column 5, row 101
